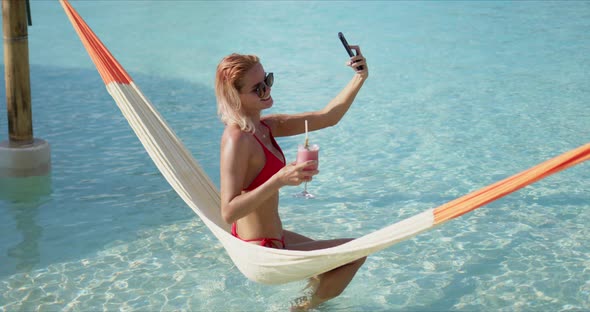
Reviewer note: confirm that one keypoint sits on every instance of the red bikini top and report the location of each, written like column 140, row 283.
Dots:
column 272, row 164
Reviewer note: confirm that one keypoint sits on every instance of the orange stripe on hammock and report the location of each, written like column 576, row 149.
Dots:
column 474, row 200
column 109, row 69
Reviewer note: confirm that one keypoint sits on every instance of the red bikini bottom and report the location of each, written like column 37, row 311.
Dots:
column 264, row 241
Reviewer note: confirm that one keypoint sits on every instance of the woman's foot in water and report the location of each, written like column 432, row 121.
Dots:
column 304, row 303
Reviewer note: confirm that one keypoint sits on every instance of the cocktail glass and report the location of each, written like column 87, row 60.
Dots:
column 311, row 152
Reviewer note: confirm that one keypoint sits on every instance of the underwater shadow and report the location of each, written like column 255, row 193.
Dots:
column 58, row 95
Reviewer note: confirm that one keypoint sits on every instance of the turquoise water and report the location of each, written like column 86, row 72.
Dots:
column 460, row 95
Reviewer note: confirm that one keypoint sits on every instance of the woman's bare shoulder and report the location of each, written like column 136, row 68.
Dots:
column 234, row 137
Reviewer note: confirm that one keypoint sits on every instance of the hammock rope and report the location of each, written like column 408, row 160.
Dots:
column 269, row 265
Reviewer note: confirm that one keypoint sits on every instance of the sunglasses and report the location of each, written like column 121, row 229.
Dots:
column 260, row 88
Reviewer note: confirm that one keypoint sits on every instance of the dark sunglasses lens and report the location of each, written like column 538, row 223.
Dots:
column 261, row 90
column 269, row 80
column 261, row 87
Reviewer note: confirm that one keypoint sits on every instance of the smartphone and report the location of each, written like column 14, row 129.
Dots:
column 347, row 47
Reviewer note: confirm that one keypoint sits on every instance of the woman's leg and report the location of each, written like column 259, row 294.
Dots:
column 331, row 283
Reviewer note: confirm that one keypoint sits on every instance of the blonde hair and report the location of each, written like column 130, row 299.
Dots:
column 228, row 83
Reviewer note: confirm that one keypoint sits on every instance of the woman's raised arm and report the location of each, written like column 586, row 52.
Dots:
column 331, row 114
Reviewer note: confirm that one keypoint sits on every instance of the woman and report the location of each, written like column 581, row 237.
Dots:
column 253, row 167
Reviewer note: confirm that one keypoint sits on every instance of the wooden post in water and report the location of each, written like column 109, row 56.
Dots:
column 22, row 155
column 16, row 64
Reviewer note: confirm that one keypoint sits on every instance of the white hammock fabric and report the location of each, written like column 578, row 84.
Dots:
column 261, row 264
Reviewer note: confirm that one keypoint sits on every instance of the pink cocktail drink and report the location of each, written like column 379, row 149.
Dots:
column 310, row 153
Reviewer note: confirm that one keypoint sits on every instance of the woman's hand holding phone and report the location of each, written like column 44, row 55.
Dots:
column 348, row 49
column 358, row 61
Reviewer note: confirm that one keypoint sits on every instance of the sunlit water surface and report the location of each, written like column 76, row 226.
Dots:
column 460, row 95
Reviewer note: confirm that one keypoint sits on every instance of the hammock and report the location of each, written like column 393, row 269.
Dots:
column 261, row 264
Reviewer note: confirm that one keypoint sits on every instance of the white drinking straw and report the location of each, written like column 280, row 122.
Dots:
column 306, row 136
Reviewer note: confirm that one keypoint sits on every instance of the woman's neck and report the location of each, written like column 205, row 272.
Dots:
column 254, row 118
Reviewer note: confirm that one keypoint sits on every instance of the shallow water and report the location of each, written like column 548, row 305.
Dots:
column 461, row 94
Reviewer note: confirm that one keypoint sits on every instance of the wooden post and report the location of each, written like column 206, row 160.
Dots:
column 21, row 155
column 16, row 62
